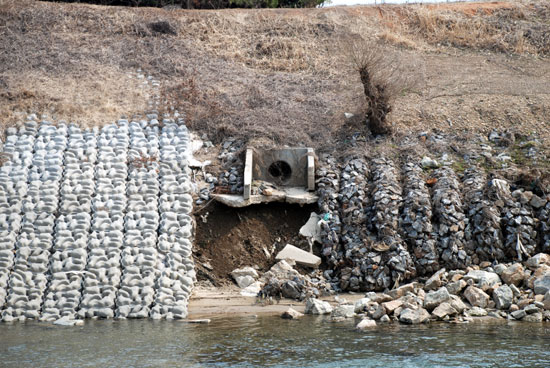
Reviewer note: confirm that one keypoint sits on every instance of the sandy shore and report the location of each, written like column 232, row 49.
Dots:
column 214, row 302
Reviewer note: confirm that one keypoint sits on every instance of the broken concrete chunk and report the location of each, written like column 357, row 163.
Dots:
column 244, row 276
column 312, row 229
column 252, row 289
column 299, row 256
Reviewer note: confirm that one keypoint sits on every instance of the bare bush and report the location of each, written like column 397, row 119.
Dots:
column 385, row 74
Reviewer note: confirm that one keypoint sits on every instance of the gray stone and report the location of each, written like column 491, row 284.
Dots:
column 476, row 297
column 291, row 290
column 483, row 279
column 500, row 268
column 401, row 291
column 410, row 316
column 537, row 202
column 316, row 306
column 538, row 260
column 457, row 304
column 503, row 297
column 434, row 298
column 429, row 163
column 456, row 287
column 376, row 311
column 535, row 317
column 542, row 284
column 361, row 305
column 477, row 312
column 518, row 314
column 443, row 310
column 343, row 311
column 531, row 308
column 392, row 305
column 385, row 318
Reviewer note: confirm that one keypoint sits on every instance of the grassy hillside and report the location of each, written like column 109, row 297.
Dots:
column 282, row 76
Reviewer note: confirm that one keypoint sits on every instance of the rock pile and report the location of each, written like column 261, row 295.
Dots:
column 232, row 179
column 450, row 220
column 328, row 186
column 392, row 264
column 416, row 221
column 512, row 291
column 519, row 223
column 352, row 200
column 544, row 218
column 483, row 234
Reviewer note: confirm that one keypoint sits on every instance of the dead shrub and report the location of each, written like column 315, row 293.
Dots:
column 162, row 27
column 384, row 74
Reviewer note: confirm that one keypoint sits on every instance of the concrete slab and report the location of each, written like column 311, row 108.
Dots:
column 289, row 195
column 299, row 256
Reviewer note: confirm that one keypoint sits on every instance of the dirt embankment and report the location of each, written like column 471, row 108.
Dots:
column 229, row 238
column 279, row 75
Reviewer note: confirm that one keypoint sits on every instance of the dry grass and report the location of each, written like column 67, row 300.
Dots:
column 279, row 76
column 521, row 27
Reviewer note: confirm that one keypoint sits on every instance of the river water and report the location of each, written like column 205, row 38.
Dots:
column 271, row 341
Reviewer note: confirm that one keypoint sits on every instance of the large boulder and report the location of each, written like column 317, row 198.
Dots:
column 434, row 298
column 483, row 279
column 456, row 287
column 514, row 274
column 435, row 281
column 443, row 310
column 401, row 291
column 476, row 297
column 316, row 306
column 292, row 289
column 503, row 297
column 538, row 260
column 457, row 303
column 343, row 311
column 413, row 317
column 542, row 285
column 392, row 305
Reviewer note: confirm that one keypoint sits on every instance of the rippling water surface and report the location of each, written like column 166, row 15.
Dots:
column 271, row 341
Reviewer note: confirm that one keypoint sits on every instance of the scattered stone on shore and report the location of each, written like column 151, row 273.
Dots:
column 414, row 316
column 316, row 306
column 503, row 297
column 365, row 323
column 291, row 313
column 435, row 298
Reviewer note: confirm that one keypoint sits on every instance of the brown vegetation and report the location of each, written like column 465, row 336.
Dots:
column 278, row 75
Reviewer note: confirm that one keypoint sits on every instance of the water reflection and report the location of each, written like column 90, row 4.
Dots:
column 270, row 341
